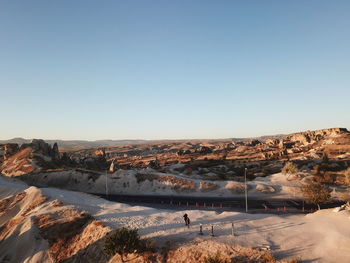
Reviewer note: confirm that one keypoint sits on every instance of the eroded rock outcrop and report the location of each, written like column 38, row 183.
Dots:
column 36, row 229
column 314, row 136
column 35, row 156
column 7, row 150
column 40, row 146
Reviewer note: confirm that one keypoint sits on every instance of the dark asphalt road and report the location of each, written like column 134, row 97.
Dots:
column 219, row 203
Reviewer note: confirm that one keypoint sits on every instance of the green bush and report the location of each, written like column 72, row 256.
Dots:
column 125, row 241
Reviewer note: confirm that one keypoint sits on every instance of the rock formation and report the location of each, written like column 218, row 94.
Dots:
column 29, row 157
column 36, row 229
column 7, row 150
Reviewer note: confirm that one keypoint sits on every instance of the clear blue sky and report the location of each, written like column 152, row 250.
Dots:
column 172, row 69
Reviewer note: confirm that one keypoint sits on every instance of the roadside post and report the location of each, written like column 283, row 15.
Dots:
column 246, row 190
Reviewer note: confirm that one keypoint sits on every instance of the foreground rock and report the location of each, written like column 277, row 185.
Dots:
column 35, row 229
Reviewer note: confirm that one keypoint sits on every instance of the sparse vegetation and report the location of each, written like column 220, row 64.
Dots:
column 316, row 193
column 215, row 259
column 347, row 176
column 322, row 168
column 124, row 241
column 345, row 197
column 143, row 177
column 205, row 186
column 289, row 168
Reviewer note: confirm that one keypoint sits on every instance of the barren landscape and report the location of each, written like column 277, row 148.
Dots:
column 44, row 211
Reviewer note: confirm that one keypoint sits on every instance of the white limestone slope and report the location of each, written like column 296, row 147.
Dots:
column 319, row 237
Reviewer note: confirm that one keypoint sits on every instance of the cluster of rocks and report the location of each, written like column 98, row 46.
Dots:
column 222, row 158
column 39, row 146
column 231, row 152
column 42, row 147
column 37, row 155
column 7, row 150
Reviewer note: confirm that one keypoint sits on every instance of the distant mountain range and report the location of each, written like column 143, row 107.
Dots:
column 75, row 144
column 80, row 144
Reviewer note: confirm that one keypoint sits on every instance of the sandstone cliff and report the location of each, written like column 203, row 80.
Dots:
column 17, row 160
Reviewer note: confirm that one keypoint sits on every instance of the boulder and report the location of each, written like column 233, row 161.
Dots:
column 266, row 189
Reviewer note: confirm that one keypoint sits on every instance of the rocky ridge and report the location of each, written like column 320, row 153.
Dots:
column 17, row 160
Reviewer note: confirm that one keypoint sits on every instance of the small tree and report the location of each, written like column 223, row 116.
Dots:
column 289, row 168
column 316, row 193
column 125, row 241
column 347, row 176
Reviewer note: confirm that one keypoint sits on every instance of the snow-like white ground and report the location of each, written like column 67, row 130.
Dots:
column 320, row 237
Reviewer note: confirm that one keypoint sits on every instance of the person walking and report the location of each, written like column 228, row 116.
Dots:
column 187, row 220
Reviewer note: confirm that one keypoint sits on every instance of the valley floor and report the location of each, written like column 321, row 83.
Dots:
column 319, row 237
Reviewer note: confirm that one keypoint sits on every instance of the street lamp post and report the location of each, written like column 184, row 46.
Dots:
column 106, row 185
column 246, row 190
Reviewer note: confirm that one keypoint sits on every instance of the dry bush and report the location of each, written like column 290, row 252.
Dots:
column 206, row 252
column 124, row 241
column 347, row 176
column 321, row 169
column 345, row 197
column 289, row 169
column 143, row 177
column 178, row 183
column 316, row 193
column 206, row 187
column 215, row 259
column 236, row 188
column 189, row 171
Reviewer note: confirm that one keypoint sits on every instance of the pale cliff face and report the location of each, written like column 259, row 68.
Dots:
column 46, row 230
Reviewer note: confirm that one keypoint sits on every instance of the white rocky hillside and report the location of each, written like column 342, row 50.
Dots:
column 151, row 182
column 52, row 225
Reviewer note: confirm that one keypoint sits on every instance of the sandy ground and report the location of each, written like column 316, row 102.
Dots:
column 320, row 237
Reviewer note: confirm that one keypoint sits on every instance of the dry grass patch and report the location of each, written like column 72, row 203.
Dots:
column 236, row 188
column 206, row 187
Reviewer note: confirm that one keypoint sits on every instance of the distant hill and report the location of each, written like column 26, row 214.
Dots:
column 75, row 144
column 81, row 144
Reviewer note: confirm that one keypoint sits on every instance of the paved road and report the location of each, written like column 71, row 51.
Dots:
column 224, row 203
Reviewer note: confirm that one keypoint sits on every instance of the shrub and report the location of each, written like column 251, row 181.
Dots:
column 347, row 176
column 322, row 168
column 345, row 197
column 205, row 186
column 201, row 171
column 316, row 193
column 125, row 241
column 215, row 259
column 289, row 169
column 294, row 260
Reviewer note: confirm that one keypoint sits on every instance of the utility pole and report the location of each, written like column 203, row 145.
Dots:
column 106, row 185
column 246, row 190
